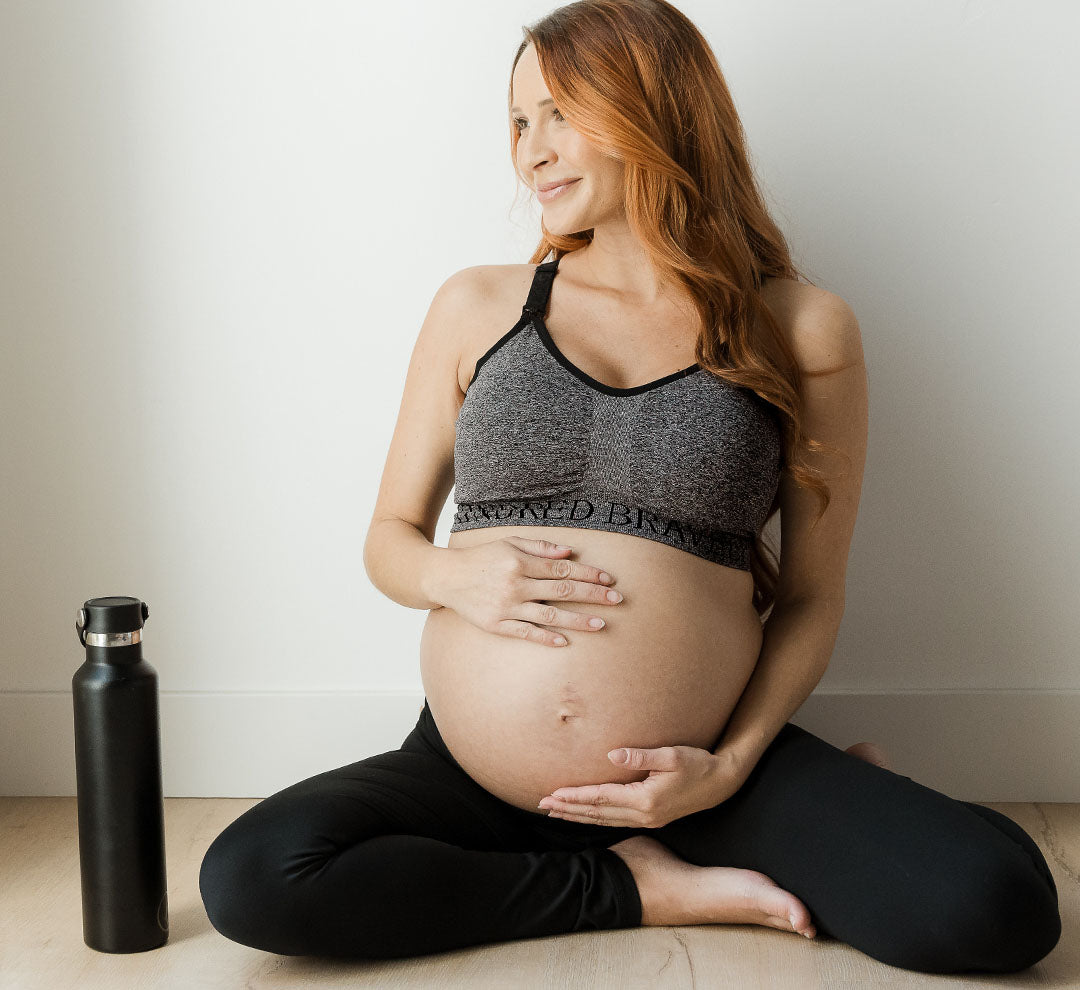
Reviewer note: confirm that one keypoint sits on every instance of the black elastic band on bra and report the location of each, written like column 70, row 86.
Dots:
column 540, row 288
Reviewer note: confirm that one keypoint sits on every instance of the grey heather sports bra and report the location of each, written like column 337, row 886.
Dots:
column 689, row 460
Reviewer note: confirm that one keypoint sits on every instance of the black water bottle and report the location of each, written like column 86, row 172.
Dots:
column 118, row 777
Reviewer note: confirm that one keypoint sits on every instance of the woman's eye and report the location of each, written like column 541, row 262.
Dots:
column 520, row 121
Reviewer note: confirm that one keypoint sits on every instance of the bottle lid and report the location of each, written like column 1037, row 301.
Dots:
column 114, row 621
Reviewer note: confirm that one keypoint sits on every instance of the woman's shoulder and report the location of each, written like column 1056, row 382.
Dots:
column 492, row 298
column 493, row 284
column 819, row 325
column 796, row 297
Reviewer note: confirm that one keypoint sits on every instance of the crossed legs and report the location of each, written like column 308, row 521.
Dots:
column 403, row 854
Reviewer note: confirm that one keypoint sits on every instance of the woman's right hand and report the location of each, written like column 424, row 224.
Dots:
column 505, row 586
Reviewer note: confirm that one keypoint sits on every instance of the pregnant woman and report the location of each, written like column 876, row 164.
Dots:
column 612, row 652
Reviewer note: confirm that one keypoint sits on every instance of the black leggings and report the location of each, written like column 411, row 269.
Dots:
column 404, row 854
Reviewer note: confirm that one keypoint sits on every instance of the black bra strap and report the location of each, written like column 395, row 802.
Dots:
column 540, row 289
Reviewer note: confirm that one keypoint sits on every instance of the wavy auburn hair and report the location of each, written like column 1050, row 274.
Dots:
column 638, row 80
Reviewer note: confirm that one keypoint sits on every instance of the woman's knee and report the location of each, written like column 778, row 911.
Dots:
column 995, row 914
column 243, row 883
column 1013, row 915
column 231, row 880
column 271, row 880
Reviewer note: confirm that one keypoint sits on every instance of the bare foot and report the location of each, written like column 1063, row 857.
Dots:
column 675, row 892
column 871, row 752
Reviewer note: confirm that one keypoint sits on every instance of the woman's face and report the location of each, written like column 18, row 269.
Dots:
column 550, row 150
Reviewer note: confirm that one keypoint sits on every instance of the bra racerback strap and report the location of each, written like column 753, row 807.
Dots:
column 541, row 288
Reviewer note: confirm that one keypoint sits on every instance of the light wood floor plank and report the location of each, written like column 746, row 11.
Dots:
column 41, row 945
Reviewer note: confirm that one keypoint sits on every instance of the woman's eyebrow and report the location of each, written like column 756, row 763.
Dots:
column 540, row 104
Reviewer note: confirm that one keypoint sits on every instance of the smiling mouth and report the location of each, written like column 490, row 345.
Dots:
column 546, row 194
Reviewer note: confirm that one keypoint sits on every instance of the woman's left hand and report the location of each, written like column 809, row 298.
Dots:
column 682, row 780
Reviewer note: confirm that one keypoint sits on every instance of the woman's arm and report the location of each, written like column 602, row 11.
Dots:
column 798, row 642
column 400, row 557
column 801, row 630
column 403, row 563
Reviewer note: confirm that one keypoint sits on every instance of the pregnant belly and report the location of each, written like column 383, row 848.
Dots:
column 523, row 719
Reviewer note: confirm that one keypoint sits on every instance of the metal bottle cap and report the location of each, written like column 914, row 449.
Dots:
column 114, row 621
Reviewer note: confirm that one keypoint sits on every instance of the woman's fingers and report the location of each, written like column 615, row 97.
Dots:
column 568, row 590
column 610, row 816
column 563, row 618
column 602, row 804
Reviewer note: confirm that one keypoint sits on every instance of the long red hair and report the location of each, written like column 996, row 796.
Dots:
column 638, row 80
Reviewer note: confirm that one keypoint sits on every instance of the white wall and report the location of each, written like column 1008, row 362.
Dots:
column 223, row 225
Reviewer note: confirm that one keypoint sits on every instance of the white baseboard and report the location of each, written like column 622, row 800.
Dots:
column 985, row 746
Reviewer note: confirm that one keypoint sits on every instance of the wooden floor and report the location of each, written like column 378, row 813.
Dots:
column 41, row 943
